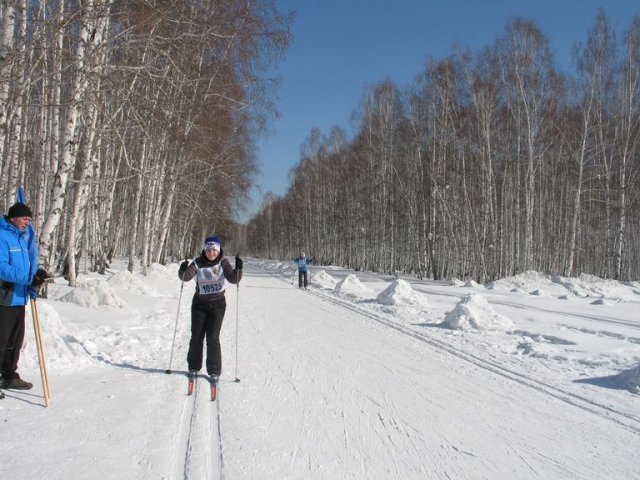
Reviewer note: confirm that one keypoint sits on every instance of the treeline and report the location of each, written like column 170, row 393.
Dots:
column 489, row 164
column 131, row 123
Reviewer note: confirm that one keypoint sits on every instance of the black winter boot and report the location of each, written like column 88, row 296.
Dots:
column 16, row 383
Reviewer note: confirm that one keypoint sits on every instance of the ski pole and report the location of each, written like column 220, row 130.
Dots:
column 175, row 330
column 40, row 349
column 237, row 306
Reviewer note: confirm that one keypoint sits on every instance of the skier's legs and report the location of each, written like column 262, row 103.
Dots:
column 305, row 279
column 299, row 279
column 214, row 324
column 198, row 330
column 11, row 339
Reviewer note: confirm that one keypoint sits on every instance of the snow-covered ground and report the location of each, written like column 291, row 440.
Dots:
column 362, row 376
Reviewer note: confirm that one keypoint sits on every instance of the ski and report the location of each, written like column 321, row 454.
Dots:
column 213, row 381
column 192, row 382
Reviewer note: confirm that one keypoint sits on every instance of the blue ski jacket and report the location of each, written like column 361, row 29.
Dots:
column 18, row 265
column 302, row 263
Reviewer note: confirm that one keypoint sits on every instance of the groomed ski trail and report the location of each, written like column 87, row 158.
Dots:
column 625, row 419
column 199, row 451
column 325, row 373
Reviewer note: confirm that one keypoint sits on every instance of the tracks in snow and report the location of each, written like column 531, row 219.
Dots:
column 628, row 421
column 199, row 451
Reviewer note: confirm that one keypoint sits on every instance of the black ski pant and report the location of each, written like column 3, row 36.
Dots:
column 302, row 276
column 206, row 322
column 11, row 338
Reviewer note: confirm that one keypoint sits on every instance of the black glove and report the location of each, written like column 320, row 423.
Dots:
column 238, row 263
column 183, row 266
column 39, row 278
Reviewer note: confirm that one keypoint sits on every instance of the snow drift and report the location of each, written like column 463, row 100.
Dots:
column 474, row 312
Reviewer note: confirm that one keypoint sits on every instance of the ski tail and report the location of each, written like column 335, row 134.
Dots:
column 213, row 382
column 192, row 382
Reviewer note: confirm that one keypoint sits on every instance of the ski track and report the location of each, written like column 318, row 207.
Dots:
column 628, row 421
column 199, row 451
column 631, row 422
column 380, row 426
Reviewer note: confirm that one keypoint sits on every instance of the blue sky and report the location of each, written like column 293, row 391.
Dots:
column 341, row 46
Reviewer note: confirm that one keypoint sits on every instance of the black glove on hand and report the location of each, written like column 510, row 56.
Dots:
column 238, row 263
column 184, row 265
column 39, row 278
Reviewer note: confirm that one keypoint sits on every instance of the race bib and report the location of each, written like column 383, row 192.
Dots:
column 211, row 280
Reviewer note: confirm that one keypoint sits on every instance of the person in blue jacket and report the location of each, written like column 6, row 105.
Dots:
column 302, row 262
column 19, row 279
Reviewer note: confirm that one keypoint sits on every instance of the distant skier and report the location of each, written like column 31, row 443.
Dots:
column 211, row 269
column 302, row 262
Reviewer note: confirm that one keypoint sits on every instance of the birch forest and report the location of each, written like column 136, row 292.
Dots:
column 492, row 162
column 131, row 123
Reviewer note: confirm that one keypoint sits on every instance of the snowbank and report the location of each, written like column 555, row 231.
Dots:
column 573, row 287
column 601, row 287
column 400, row 293
column 94, row 293
column 283, row 268
column 530, row 281
column 581, row 287
column 630, row 379
column 125, row 280
column 158, row 269
column 62, row 350
column 473, row 311
column 322, row 279
column 351, row 286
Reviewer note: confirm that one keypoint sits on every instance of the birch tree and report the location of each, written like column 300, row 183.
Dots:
column 527, row 67
column 8, row 16
column 593, row 62
column 629, row 142
column 85, row 47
